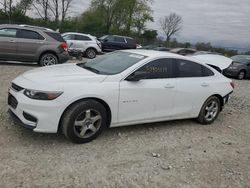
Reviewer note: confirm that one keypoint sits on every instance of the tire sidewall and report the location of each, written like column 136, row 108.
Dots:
column 44, row 56
column 239, row 75
column 201, row 117
column 72, row 114
column 90, row 49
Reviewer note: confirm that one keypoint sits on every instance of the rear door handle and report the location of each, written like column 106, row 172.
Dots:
column 204, row 84
column 169, row 86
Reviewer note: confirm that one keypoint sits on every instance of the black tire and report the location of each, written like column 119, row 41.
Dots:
column 48, row 59
column 90, row 53
column 72, row 118
column 205, row 110
column 241, row 75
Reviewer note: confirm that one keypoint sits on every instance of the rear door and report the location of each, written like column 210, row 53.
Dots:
column 8, row 43
column 193, row 87
column 28, row 44
column 82, row 41
column 120, row 43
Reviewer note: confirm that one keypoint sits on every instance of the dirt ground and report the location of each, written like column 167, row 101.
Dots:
column 169, row 154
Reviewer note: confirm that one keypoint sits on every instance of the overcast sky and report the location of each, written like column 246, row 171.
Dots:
column 222, row 22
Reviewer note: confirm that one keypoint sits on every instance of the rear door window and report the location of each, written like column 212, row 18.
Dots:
column 82, row 38
column 186, row 68
column 27, row 34
column 8, row 32
column 119, row 39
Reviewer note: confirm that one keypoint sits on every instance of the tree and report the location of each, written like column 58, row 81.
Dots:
column 171, row 25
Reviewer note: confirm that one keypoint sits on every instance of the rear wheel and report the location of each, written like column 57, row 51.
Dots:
column 84, row 121
column 241, row 75
column 90, row 53
column 209, row 111
column 48, row 59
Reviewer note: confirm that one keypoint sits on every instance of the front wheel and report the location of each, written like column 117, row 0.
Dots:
column 209, row 111
column 84, row 121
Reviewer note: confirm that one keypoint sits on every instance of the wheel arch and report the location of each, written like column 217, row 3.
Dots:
column 220, row 99
column 106, row 106
column 47, row 52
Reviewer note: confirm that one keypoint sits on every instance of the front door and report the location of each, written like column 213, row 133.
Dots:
column 150, row 98
column 8, row 44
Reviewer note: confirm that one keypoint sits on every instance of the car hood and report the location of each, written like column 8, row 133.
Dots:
column 56, row 77
column 213, row 59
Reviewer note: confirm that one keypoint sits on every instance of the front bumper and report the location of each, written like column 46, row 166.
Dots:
column 37, row 115
column 231, row 73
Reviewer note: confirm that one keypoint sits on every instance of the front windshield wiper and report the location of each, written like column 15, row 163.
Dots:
column 88, row 68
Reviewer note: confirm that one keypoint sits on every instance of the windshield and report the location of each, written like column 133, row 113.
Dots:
column 103, row 37
column 112, row 63
column 241, row 59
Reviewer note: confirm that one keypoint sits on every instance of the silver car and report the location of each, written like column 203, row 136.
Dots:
column 32, row 44
column 87, row 45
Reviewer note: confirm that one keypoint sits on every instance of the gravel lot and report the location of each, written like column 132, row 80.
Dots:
column 168, row 154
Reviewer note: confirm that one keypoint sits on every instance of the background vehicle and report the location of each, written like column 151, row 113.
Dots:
column 183, row 51
column 240, row 67
column 85, row 98
column 115, row 42
column 32, row 44
column 88, row 45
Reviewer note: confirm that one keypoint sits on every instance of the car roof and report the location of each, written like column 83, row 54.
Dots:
column 153, row 53
column 29, row 27
column 75, row 33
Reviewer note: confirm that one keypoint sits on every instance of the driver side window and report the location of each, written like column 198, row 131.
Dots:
column 157, row 69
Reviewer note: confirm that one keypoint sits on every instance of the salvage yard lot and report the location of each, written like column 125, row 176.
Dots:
column 187, row 154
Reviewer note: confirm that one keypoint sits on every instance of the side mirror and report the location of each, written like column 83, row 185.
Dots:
column 136, row 76
column 105, row 40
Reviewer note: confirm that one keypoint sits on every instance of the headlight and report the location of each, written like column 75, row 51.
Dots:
column 42, row 95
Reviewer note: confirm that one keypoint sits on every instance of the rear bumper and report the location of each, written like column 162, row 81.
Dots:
column 63, row 57
column 226, row 98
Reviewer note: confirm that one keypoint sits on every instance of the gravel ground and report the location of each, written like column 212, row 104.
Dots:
column 170, row 154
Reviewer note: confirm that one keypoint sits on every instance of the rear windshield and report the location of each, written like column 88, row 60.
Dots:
column 55, row 36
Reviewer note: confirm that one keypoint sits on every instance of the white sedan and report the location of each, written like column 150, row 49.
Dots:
column 117, row 89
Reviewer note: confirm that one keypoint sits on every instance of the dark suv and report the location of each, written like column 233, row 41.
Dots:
column 115, row 42
column 240, row 68
column 32, row 44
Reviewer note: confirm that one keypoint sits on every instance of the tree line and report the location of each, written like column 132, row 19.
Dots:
column 120, row 17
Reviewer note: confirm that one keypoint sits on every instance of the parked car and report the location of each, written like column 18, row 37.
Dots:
column 117, row 89
column 114, row 42
column 32, row 44
column 87, row 45
column 183, row 51
column 240, row 67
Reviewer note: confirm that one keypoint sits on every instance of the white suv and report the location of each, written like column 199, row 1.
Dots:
column 86, row 44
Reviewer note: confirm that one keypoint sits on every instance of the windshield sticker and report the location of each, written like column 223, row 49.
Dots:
column 136, row 56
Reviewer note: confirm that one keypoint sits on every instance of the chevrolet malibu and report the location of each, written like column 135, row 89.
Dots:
column 118, row 89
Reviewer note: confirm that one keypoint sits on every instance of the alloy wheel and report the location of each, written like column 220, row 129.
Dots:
column 211, row 110
column 87, row 123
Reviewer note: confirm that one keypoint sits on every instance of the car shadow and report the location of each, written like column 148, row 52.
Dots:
column 14, row 63
column 110, row 135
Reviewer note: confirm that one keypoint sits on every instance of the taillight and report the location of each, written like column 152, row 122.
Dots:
column 64, row 46
column 232, row 84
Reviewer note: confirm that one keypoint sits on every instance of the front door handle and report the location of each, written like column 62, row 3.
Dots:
column 169, row 86
column 204, row 84
column 12, row 41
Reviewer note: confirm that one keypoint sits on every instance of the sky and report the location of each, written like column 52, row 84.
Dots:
column 222, row 22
